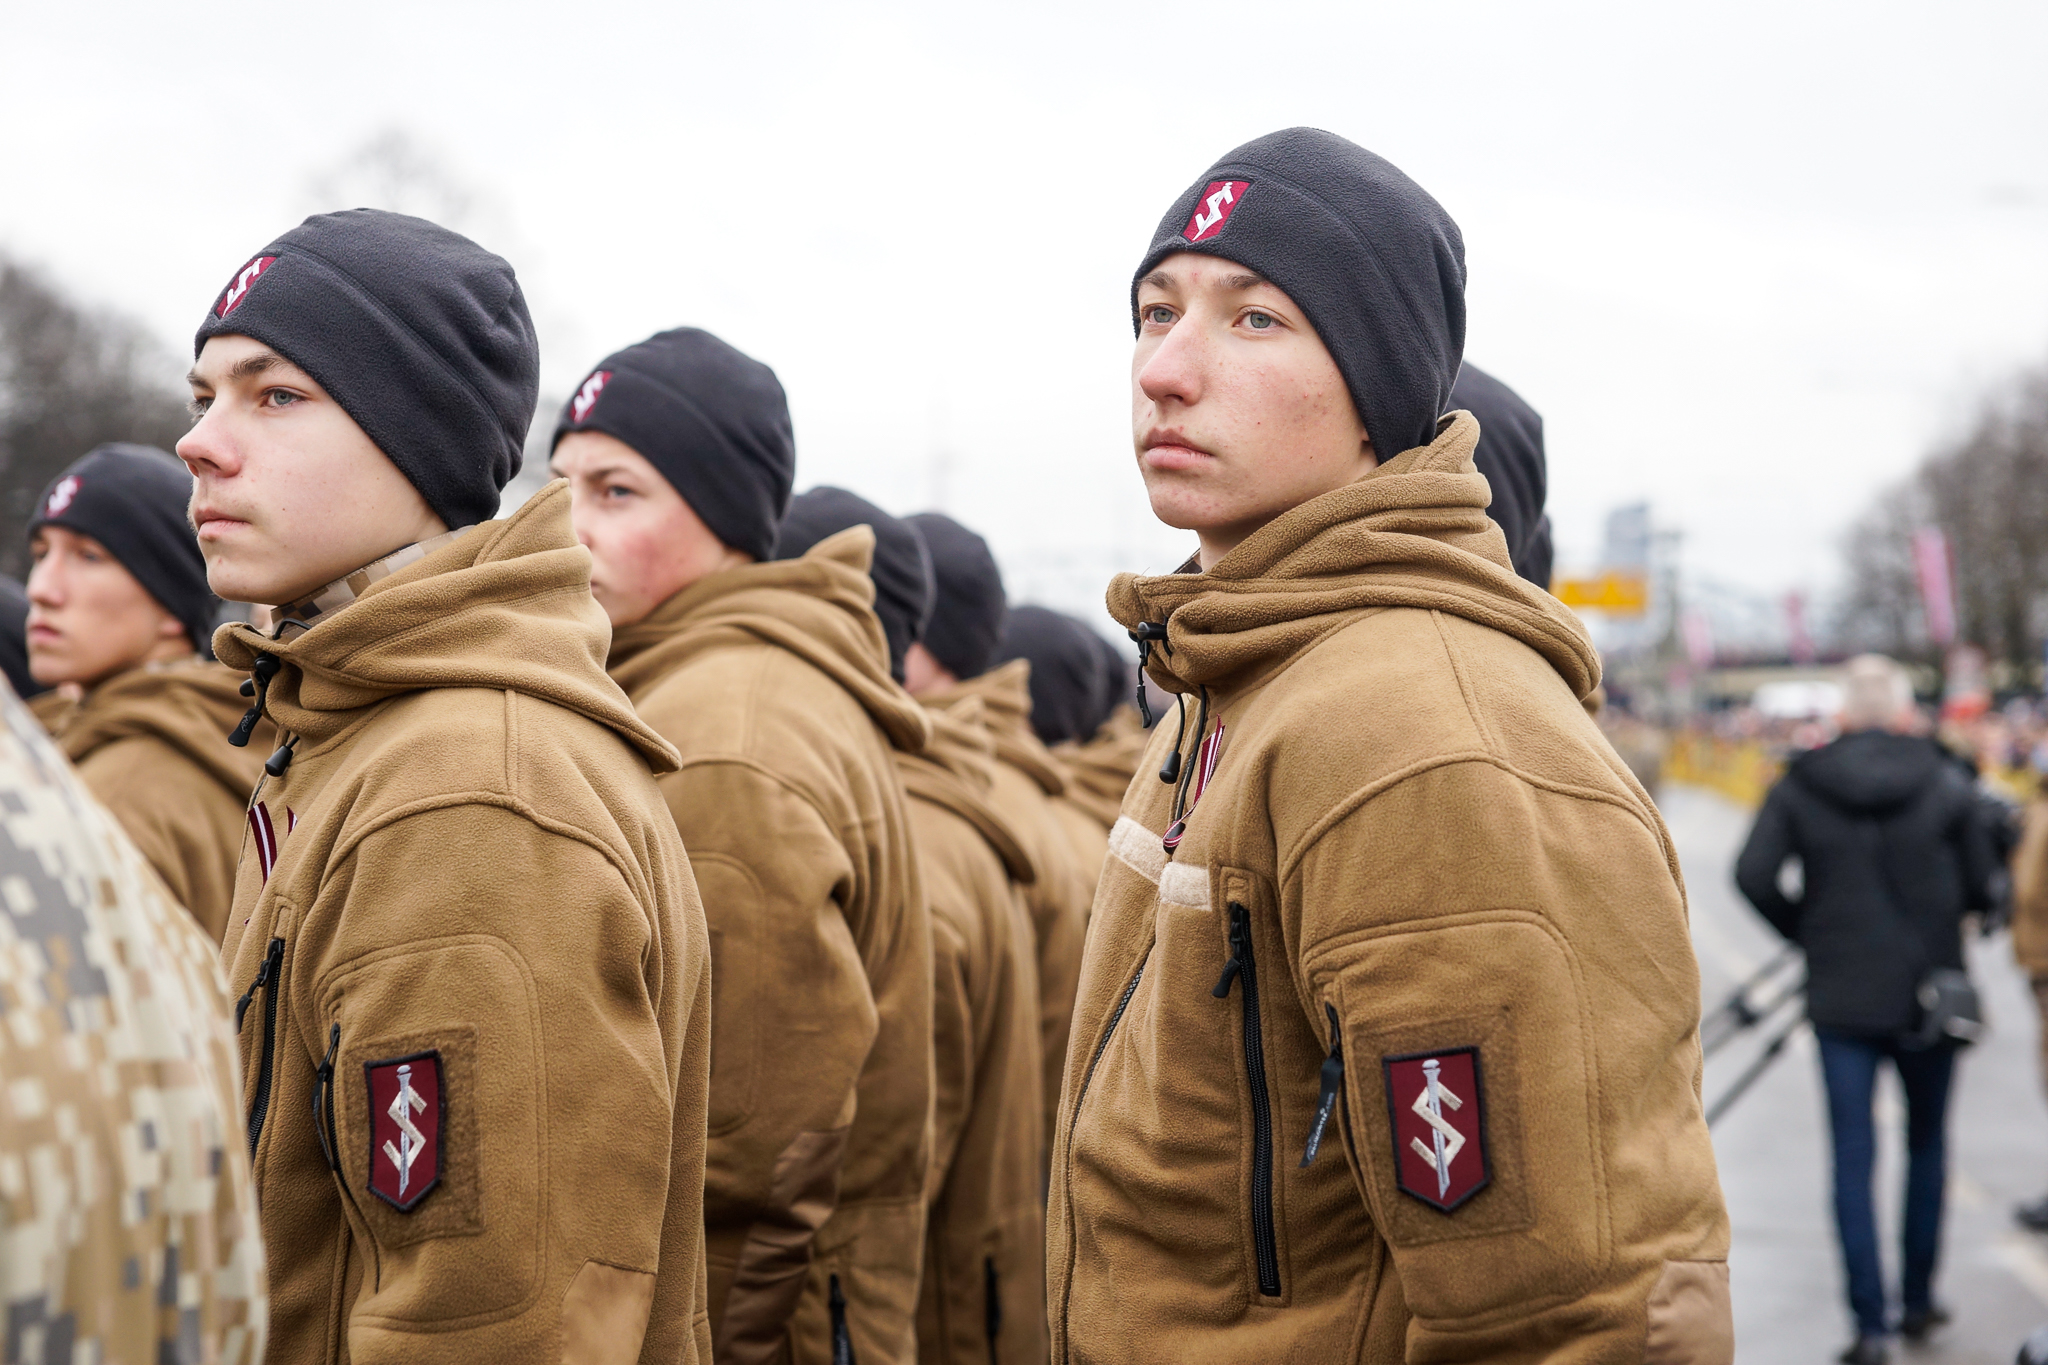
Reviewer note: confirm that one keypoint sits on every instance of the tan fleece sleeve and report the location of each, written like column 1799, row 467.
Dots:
column 1533, row 945
column 793, row 1022
column 555, row 1002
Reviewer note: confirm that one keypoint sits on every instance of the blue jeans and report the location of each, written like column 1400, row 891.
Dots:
column 1848, row 1064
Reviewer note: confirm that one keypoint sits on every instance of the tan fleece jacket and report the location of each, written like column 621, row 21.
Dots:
column 1420, row 885
column 152, row 745
column 1097, row 772
column 773, row 682
column 476, row 1014
column 2030, row 891
column 1099, row 769
column 1027, row 781
column 984, row 1271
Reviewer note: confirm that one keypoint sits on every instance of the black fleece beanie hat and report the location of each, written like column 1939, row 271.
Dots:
column 1510, row 455
column 132, row 499
column 1377, row 265
column 1066, row 671
column 715, row 422
column 14, row 640
column 967, row 615
column 902, row 567
column 420, row 334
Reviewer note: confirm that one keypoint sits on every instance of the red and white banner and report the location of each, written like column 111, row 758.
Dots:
column 1937, row 588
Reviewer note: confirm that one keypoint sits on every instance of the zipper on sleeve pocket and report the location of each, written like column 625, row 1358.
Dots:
column 1332, row 1086
column 323, row 1101
column 842, row 1339
column 1243, row 968
column 268, row 979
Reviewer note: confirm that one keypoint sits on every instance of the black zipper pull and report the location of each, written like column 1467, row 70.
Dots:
column 323, row 1100
column 1240, row 930
column 261, row 673
column 249, row 996
column 842, row 1339
column 1333, row 1085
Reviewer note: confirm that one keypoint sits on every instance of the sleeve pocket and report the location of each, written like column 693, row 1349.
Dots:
column 1469, row 1101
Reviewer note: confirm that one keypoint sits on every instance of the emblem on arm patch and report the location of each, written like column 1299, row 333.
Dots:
column 1438, row 1111
column 406, row 1107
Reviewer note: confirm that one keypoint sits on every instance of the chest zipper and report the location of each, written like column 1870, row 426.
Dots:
column 1332, row 1087
column 1243, row 967
column 268, row 978
column 991, row 1305
column 842, row 1339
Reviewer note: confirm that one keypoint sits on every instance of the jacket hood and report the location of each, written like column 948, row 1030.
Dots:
column 505, row 606
column 1099, row 771
column 1870, row 771
column 819, row 607
column 1005, row 693
column 1413, row 533
column 189, row 704
column 956, row 771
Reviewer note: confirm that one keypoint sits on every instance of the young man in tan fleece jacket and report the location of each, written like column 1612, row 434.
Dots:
column 1386, row 1046
column 984, row 1266
column 772, row 680
column 475, row 1011
column 119, row 607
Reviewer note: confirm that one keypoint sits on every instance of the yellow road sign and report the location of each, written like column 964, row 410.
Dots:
column 1624, row 594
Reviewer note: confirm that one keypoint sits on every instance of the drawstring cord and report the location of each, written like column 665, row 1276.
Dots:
column 1147, row 634
column 257, row 686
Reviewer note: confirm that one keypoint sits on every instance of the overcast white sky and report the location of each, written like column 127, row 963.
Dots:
column 1749, row 259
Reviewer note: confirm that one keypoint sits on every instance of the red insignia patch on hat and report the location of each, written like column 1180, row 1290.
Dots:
column 586, row 397
column 245, row 278
column 1439, row 1123
column 406, row 1105
column 61, row 496
column 1213, row 210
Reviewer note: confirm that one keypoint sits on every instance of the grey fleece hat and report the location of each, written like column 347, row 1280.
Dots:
column 420, row 334
column 1377, row 265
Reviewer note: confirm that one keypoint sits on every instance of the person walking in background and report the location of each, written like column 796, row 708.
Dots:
column 134, row 1235
column 773, row 680
column 1891, row 853
column 119, row 606
column 475, row 1013
column 983, row 1296
column 2030, row 946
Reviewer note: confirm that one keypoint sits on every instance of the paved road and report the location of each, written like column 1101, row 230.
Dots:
column 1789, row 1304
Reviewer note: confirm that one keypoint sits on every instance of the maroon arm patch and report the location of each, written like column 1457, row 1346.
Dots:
column 406, row 1107
column 1439, row 1123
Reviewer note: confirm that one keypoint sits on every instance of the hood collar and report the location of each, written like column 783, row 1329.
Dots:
column 504, row 605
column 187, row 703
column 957, row 773
column 1005, row 695
column 819, row 607
column 1412, row 533
column 308, row 611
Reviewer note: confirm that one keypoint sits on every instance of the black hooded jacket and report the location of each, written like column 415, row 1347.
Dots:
column 1893, row 853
